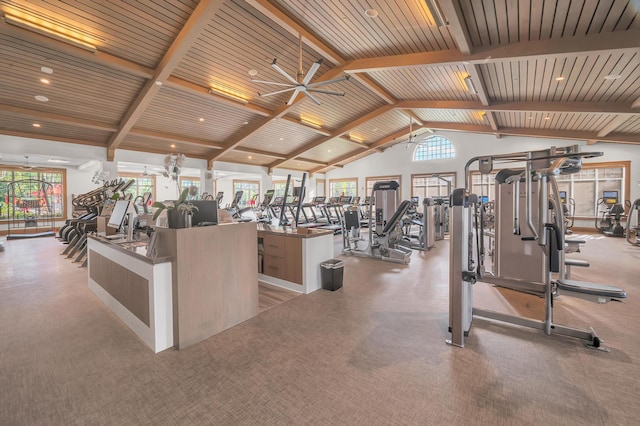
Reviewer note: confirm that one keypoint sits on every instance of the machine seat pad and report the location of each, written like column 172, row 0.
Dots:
column 593, row 289
column 577, row 262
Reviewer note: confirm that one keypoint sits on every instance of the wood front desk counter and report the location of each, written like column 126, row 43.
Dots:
column 204, row 281
column 214, row 277
column 136, row 288
column 291, row 258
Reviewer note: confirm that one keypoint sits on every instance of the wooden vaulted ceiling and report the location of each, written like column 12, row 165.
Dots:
column 538, row 67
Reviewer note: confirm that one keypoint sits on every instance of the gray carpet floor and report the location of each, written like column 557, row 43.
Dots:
column 370, row 353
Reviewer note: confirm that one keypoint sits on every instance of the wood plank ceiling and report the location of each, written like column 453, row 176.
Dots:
column 567, row 69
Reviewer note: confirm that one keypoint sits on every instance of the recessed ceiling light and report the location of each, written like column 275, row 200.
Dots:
column 559, row 78
column 281, row 139
column 41, row 98
column 158, row 83
column 530, row 117
column 44, row 81
column 46, row 70
column 36, row 124
column 547, row 118
column 200, row 119
column 612, row 76
column 328, row 150
column 172, row 146
column 371, row 13
column 253, row 73
column 245, row 123
column 249, row 157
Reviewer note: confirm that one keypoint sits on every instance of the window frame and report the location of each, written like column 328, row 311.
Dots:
column 136, row 176
column 625, row 182
column 424, row 145
column 454, row 181
column 333, row 181
column 244, row 201
column 63, row 190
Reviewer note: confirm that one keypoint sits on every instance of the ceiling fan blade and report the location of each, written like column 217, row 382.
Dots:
column 313, row 98
column 272, row 82
column 262, row 95
column 333, row 80
column 326, row 92
column 312, row 71
column 293, row 96
column 284, row 74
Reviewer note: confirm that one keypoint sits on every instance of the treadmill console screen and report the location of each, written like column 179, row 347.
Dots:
column 563, row 197
column 610, row 197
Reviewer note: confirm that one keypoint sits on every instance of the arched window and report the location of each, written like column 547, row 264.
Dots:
column 434, row 148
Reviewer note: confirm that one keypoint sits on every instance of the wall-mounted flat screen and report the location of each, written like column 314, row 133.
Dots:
column 206, row 214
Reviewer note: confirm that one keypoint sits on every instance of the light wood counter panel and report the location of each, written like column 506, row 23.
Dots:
column 214, row 278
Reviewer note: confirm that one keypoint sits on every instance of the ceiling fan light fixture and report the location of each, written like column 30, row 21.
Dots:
column 49, row 29
column 436, row 13
column 225, row 93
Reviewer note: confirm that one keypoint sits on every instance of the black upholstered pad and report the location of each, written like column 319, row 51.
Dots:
column 594, row 289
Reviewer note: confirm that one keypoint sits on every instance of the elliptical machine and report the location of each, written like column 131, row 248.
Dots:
column 633, row 228
column 609, row 223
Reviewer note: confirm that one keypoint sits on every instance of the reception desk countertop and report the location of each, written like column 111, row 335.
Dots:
column 137, row 249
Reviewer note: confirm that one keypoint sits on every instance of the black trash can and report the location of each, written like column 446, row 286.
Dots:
column 332, row 272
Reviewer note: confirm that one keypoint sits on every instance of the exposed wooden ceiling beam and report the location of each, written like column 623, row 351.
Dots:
column 414, row 117
column 576, row 107
column 259, row 152
column 636, row 104
column 199, row 19
column 339, row 132
column 340, row 159
column 483, row 94
column 195, row 89
column 283, row 20
column 57, row 118
column 613, row 124
column 174, row 138
column 247, row 131
column 366, row 81
column 457, row 27
column 602, row 43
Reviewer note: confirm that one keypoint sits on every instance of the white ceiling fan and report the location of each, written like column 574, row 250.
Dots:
column 27, row 165
column 301, row 84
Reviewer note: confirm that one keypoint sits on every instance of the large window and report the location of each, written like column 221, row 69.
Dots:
column 52, row 202
column 343, row 187
column 434, row 148
column 484, row 185
column 141, row 185
column 586, row 186
column 370, row 181
column 249, row 188
column 188, row 182
column 432, row 184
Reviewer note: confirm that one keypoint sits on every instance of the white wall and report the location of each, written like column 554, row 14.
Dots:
column 397, row 160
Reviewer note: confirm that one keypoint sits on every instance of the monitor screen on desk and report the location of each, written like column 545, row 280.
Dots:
column 206, row 214
column 118, row 214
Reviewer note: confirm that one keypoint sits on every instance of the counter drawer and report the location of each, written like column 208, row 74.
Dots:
column 274, row 245
column 274, row 267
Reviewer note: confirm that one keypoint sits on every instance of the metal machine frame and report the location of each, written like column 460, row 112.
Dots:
column 465, row 270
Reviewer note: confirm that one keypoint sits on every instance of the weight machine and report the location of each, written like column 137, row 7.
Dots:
column 531, row 255
column 385, row 233
column 632, row 228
